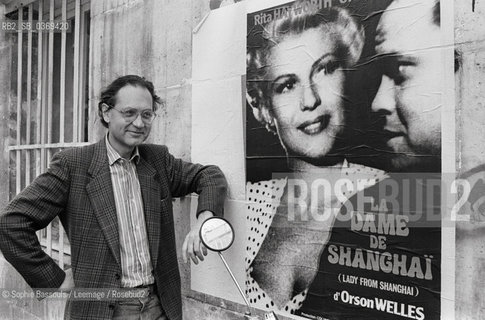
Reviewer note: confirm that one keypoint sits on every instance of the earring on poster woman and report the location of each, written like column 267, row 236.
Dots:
column 270, row 126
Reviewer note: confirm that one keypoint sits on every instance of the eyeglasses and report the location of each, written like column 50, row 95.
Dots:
column 131, row 114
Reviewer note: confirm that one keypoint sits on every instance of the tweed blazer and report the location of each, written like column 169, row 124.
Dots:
column 77, row 188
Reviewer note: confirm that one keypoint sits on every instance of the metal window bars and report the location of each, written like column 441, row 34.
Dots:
column 48, row 110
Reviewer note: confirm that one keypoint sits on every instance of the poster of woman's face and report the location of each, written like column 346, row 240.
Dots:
column 307, row 76
column 296, row 69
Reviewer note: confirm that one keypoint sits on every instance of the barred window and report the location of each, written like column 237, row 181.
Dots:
column 48, row 99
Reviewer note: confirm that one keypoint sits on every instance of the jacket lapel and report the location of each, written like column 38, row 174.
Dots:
column 150, row 191
column 100, row 193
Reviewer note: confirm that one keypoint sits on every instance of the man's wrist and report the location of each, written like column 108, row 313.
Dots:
column 204, row 215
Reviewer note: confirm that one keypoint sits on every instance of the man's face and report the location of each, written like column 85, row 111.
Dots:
column 125, row 135
column 408, row 100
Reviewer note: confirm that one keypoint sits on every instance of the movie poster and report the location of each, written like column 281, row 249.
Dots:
column 344, row 158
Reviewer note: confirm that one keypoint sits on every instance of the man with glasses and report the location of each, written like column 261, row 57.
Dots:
column 114, row 199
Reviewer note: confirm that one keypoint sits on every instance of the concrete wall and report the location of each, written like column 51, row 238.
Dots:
column 470, row 83
column 5, row 69
column 470, row 106
column 152, row 39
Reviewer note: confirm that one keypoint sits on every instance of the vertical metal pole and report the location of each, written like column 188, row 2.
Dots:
column 75, row 88
column 38, row 118
column 29, row 98
column 62, row 84
column 18, row 153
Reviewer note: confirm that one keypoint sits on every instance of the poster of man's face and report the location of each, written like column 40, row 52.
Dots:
column 408, row 100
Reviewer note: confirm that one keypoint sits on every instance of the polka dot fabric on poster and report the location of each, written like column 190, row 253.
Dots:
column 262, row 198
column 361, row 176
column 259, row 299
